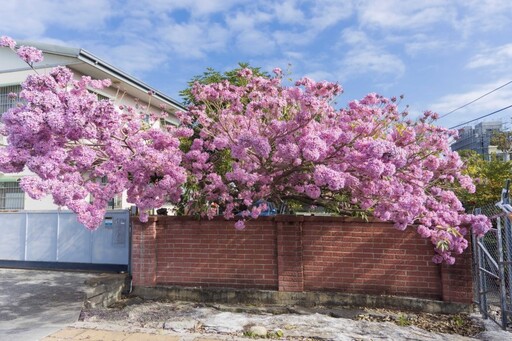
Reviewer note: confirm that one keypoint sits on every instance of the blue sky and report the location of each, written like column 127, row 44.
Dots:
column 440, row 54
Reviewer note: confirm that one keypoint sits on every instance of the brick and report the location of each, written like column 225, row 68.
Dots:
column 301, row 253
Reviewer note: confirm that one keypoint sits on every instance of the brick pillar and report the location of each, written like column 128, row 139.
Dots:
column 289, row 254
column 143, row 265
column 457, row 279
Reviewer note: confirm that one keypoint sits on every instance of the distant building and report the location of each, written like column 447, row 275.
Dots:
column 13, row 72
column 478, row 138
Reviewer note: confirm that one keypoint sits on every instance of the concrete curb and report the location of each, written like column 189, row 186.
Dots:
column 304, row 299
column 104, row 290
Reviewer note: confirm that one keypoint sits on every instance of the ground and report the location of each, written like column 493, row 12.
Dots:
column 287, row 323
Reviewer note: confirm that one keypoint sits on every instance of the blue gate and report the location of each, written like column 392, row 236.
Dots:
column 55, row 239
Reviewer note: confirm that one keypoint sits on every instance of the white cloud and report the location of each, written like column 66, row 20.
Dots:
column 32, row 19
column 294, row 38
column 133, row 58
column 253, row 42
column 193, row 39
column 498, row 58
column 289, row 22
column 326, row 13
column 320, row 75
column 440, row 18
column 422, row 43
column 366, row 56
column 251, row 31
column 483, row 16
column 196, row 8
column 364, row 61
column 496, row 100
column 294, row 54
column 247, row 20
column 355, row 37
column 403, row 15
column 288, row 12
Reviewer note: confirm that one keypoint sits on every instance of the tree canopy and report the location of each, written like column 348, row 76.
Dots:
column 503, row 140
column 489, row 178
column 275, row 142
column 211, row 76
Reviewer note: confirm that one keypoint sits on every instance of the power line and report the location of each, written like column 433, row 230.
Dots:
column 478, row 118
column 473, row 101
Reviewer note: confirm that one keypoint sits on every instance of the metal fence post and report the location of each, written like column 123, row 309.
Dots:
column 482, row 287
column 503, row 289
column 476, row 270
column 483, row 284
column 507, row 278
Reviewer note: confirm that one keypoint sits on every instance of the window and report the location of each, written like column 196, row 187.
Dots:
column 101, row 97
column 12, row 196
column 164, row 122
column 116, row 202
column 5, row 102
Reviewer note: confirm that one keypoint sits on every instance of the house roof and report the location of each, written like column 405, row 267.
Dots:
column 95, row 67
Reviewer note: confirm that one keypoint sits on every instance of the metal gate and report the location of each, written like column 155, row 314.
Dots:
column 492, row 257
column 55, row 239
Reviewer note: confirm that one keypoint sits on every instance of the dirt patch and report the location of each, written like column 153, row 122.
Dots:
column 197, row 317
column 460, row 324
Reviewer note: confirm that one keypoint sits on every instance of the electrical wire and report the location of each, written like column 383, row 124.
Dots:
column 480, row 117
column 476, row 99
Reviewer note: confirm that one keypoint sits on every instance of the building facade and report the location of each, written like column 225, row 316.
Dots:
column 478, row 138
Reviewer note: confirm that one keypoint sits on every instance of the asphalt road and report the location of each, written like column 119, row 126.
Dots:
column 36, row 303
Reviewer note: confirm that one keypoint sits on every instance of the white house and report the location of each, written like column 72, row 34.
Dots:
column 13, row 72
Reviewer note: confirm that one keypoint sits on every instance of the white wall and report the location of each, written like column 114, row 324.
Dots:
column 10, row 61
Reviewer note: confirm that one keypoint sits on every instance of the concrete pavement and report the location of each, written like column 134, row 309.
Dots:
column 45, row 305
column 36, row 303
column 79, row 334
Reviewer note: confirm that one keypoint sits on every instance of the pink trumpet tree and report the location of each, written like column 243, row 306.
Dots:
column 239, row 144
column 84, row 150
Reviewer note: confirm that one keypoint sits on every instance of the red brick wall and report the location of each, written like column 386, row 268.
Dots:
column 369, row 258
column 213, row 254
column 290, row 253
column 144, row 247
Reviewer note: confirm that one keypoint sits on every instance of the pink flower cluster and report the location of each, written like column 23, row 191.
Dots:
column 289, row 143
column 85, row 151
column 28, row 54
column 245, row 143
column 7, row 42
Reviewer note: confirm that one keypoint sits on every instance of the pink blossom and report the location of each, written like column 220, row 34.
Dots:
column 240, row 225
column 30, row 54
column 424, row 231
column 7, row 42
column 312, row 191
column 278, row 72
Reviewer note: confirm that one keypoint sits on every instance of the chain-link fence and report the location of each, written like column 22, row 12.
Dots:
column 493, row 264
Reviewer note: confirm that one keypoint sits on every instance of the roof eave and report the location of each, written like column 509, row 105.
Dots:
column 90, row 59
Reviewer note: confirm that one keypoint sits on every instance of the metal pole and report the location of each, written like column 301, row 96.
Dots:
column 503, row 291
column 507, row 278
column 483, row 283
column 508, row 257
column 476, row 270
column 482, row 286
